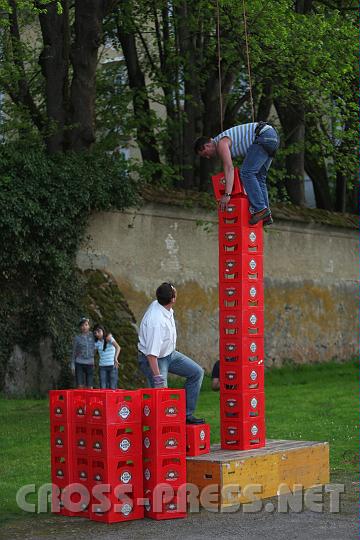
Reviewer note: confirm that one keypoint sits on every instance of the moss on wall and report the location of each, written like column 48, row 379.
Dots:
column 105, row 304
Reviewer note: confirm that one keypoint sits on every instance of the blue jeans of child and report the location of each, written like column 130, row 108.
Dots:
column 84, row 375
column 179, row 364
column 256, row 166
column 108, row 377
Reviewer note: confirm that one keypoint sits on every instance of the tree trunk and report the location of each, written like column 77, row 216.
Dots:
column 292, row 118
column 303, row 6
column 340, row 192
column 20, row 92
column 316, row 169
column 89, row 15
column 54, row 62
column 145, row 134
column 192, row 115
column 266, row 100
column 315, row 166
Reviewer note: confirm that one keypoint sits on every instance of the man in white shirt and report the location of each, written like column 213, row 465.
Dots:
column 157, row 350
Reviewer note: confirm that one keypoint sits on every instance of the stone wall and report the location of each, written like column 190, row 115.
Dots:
column 310, row 269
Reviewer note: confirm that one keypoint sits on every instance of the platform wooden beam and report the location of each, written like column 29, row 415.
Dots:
column 279, row 462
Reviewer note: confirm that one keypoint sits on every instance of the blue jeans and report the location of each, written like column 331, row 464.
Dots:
column 84, row 375
column 108, row 377
column 179, row 364
column 255, row 168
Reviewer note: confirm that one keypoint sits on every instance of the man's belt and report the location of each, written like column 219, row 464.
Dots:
column 261, row 125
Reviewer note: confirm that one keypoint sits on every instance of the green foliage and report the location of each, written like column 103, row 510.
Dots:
column 44, row 207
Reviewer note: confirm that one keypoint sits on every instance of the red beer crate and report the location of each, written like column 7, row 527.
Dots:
column 60, row 438
column 74, row 500
column 60, row 405
column 247, row 435
column 197, row 439
column 164, row 439
column 113, row 407
column 162, row 405
column 237, row 213
column 246, row 350
column 165, row 504
column 218, row 181
column 235, row 269
column 242, row 406
column 115, row 470
column 164, row 470
column 240, row 295
column 61, row 470
column 115, row 440
column 116, row 504
column 242, row 266
column 240, row 241
column 80, row 434
column 250, row 325
column 242, row 378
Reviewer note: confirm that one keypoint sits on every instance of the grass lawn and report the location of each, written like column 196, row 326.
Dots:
column 312, row 402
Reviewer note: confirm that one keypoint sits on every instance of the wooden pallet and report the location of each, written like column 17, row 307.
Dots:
column 279, row 462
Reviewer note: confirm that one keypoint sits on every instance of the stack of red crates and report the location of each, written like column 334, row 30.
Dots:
column 102, row 453
column 241, row 322
column 164, row 452
column 69, row 452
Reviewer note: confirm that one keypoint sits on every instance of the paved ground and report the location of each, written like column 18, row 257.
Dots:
column 305, row 525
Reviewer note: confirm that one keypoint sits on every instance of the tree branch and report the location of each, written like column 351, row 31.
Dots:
column 22, row 95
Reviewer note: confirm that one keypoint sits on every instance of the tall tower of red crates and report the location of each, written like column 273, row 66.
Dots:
column 241, row 322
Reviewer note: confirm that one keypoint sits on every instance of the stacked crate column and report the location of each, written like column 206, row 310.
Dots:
column 241, row 323
column 164, row 452
column 114, row 421
column 68, row 498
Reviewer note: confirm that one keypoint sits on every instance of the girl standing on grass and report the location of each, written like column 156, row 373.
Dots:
column 109, row 352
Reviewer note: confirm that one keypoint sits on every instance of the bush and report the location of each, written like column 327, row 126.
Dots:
column 45, row 203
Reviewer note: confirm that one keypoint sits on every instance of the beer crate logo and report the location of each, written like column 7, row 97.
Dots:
column 253, row 319
column 253, row 347
column 146, row 410
column 124, row 412
column 125, row 477
column 125, row 445
column 252, row 237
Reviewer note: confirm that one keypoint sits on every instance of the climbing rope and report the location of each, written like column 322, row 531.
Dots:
column 248, row 63
column 219, row 63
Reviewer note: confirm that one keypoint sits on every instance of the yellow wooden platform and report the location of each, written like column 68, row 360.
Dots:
column 279, row 462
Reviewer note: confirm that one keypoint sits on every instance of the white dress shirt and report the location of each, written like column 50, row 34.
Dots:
column 157, row 334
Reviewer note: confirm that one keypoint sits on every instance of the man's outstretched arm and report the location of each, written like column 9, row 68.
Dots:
column 223, row 151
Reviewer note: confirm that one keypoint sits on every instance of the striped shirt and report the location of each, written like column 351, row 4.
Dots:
column 107, row 357
column 241, row 138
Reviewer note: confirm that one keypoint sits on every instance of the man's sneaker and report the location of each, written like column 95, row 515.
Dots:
column 259, row 216
column 193, row 420
column 268, row 221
